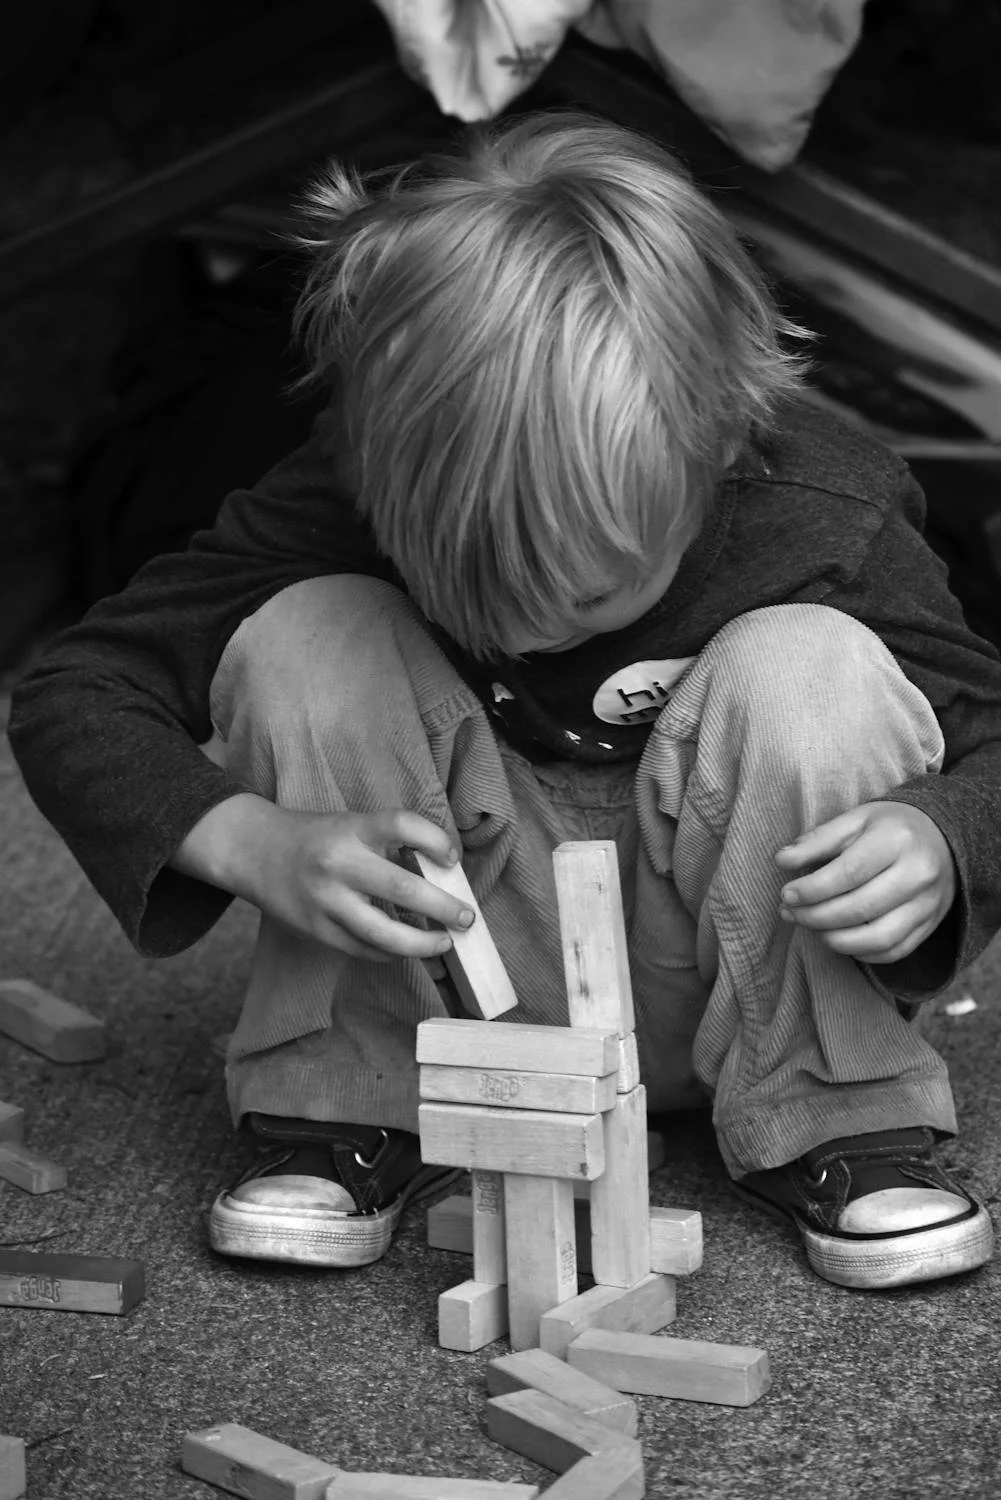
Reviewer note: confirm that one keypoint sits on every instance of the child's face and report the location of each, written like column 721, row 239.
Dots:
column 619, row 607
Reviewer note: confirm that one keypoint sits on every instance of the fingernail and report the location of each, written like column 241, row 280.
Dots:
column 467, row 918
column 789, row 896
column 785, row 915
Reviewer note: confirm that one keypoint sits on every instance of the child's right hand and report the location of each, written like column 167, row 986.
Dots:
column 317, row 873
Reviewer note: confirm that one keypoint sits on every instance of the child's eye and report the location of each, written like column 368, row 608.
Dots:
column 596, row 602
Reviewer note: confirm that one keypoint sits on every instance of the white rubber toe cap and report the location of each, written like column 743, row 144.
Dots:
column 294, row 1194
column 894, row 1209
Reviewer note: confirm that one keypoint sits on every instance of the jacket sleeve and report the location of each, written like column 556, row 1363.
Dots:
column 902, row 594
column 106, row 727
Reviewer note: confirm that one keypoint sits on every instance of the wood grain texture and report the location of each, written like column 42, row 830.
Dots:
column 517, row 1046
column 349, row 1486
column 472, row 1315
column 644, row 1308
column 686, row 1369
column 549, row 1432
column 609, row 1475
column 541, row 1252
column 534, row 1369
column 593, row 935
column 536, row 1142
column 258, row 1468
column 503, row 1088
column 70, row 1283
column 473, row 962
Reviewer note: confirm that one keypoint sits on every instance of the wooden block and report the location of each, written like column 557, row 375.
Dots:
column 450, row 1227
column 568, row 1093
column 656, row 1152
column 245, row 1463
column 541, row 1252
column 473, row 963
column 30, row 1170
column 620, row 1197
column 610, row 1475
column 70, row 1283
column 413, row 1487
column 534, row 1369
column 11, row 1122
column 628, row 1075
column 687, row 1369
column 489, row 1228
column 13, row 1477
column 54, row 1027
column 516, row 1046
column 643, row 1308
column 593, row 934
column 549, row 1432
column 675, row 1240
column 450, row 1224
column 472, row 1315
column 537, row 1142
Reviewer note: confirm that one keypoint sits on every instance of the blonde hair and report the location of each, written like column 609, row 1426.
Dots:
column 549, row 346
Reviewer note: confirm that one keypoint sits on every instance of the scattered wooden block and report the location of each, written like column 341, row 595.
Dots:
column 70, row 1283
column 412, row 1487
column 489, row 1228
column 675, row 1240
column 11, row 1122
column 541, row 1252
column 620, row 1197
column 610, row 1475
column 569, row 1093
column 687, row 1369
column 13, row 1475
column 473, row 962
column 49, row 1025
column 593, row 934
column 644, row 1308
column 534, row 1369
column 472, row 1315
column 549, row 1432
column 245, row 1463
column 29, row 1169
column 538, row 1142
column 517, row 1046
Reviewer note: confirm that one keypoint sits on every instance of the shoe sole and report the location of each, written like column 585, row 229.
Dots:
column 312, row 1237
column 899, row 1260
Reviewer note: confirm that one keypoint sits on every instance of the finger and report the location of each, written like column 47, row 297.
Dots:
column 823, row 842
column 398, row 827
column 853, row 903
column 891, row 938
column 407, row 889
column 367, row 924
column 861, row 863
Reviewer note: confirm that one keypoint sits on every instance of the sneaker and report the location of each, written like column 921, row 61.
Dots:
column 322, row 1194
column 876, row 1210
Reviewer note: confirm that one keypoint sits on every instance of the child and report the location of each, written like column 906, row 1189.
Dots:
column 568, row 557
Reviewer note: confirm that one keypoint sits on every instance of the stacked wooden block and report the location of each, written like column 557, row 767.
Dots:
column 535, row 1111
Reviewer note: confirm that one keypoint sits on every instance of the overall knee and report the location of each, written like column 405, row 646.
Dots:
column 324, row 651
column 814, row 679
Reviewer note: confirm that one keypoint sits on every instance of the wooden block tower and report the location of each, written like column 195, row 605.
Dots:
column 537, row 1112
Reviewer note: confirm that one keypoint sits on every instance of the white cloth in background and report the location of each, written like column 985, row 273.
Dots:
column 754, row 70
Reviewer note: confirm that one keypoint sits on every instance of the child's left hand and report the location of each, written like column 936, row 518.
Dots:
column 886, row 880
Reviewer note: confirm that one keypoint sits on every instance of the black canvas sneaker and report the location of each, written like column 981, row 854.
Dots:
column 876, row 1210
column 322, row 1194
